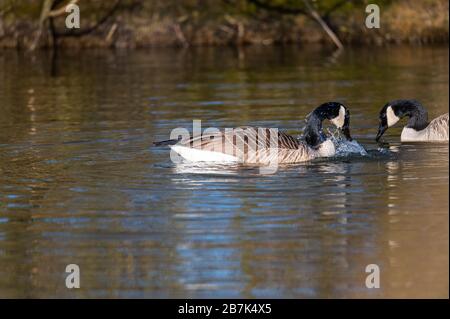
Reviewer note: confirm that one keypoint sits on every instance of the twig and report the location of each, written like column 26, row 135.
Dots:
column 79, row 32
column 180, row 35
column 111, row 33
column 46, row 8
column 57, row 12
column 310, row 12
column 316, row 16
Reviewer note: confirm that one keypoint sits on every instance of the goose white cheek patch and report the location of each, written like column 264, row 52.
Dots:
column 391, row 117
column 338, row 121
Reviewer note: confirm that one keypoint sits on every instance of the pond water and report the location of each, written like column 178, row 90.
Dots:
column 81, row 183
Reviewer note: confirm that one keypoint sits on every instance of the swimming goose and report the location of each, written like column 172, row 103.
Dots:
column 418, row 128
column 263, row 145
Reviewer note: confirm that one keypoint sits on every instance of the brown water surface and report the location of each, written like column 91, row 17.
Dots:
column 80, row 182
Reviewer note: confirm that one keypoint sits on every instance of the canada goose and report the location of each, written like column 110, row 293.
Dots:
column 418, row 128
column 259, row 145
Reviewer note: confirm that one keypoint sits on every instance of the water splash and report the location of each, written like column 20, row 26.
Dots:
column 345, row 147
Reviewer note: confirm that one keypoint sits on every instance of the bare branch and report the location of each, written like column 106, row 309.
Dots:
column 78, row 32
column 316, row 16
column 180, row 35
column 311, row 12
column 46, row 8
column 60, row 11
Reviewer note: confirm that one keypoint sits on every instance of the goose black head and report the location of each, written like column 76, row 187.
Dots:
column 336, row 113
column 395, row 110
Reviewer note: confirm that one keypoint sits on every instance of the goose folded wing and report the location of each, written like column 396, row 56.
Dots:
column 438, row 128
column 244, row 138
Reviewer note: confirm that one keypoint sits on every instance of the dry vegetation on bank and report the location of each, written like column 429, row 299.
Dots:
column 139, row 23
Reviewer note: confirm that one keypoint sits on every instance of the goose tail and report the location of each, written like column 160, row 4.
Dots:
column 166, row 142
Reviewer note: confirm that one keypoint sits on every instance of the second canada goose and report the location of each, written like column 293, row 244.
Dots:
column 418, row 129
column 256, row 145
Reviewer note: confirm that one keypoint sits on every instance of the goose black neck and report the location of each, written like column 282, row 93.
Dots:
column 418, row 116
column 314, row 135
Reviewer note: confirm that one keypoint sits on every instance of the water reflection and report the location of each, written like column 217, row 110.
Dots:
column 80, row 182
column 207, row 169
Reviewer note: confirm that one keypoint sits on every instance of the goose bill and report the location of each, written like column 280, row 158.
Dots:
column 381, row 129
